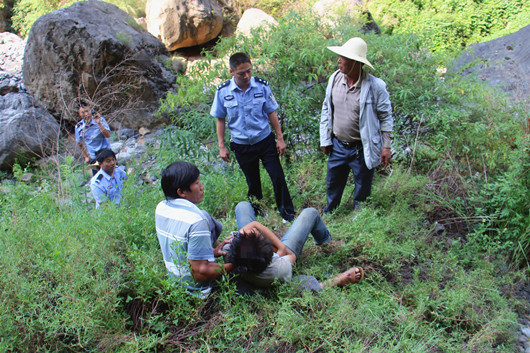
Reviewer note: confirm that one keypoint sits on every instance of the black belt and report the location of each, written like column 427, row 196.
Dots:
column 350, row 144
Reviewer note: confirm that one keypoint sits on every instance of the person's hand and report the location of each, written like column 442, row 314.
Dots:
column 218, row 251
column 281, row 147
column 97, row 118
column 326, row 149
column 386, row 155
column 249, row 229
column 224, row 154
column 87, row 159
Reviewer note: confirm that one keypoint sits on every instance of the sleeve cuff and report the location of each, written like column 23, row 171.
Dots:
column 387, row 139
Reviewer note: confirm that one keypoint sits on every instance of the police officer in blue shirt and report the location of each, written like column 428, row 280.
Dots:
column 91, row 133
column 247, row 105
column 108, row 181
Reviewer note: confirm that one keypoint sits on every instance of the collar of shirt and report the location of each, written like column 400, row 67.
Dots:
column 234, row 87
column 180, row 202
column 92, row 122
column 343, row 80
column 106, row 176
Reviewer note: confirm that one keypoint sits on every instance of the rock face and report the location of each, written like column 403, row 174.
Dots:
column 11, row 52
column 93, row 50
column 329, row 10
column 11, row 83
column 184, row 23
column 503, row 63
column 27, row 130
column 253, row 18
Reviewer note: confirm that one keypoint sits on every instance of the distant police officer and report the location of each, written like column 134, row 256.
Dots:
column 108, row 181
column 250, row 105
column 91, row 133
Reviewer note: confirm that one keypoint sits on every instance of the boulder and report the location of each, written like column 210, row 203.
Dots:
column 254, row 18
column 11, row 83
column 330, row 10
column 11, row 52
column 27, row 130
column 503, row 63
column 184, row 23
column 231, row 11
column 92, row 50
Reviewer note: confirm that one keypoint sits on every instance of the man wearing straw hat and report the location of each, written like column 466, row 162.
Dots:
column 355, row 125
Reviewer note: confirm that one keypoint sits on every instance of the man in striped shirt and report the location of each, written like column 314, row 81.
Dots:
column 187, row 233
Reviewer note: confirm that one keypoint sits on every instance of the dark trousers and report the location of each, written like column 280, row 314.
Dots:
column 248, row 157
column 341, row 160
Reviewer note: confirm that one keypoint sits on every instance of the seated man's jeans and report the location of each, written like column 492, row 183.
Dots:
column 309, row 221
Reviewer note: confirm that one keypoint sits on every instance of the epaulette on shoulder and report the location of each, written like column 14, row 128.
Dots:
column 98, row 179
column 224, row 84
column 260, row 80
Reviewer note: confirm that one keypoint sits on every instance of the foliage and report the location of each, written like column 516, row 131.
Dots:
column 451, row 25
column 506, row 202
column 26, row 12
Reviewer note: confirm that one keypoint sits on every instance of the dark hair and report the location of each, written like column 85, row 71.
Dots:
column 178, row 175
column 238, row 59
column 249, row 253
column 104, row 153
column 82, row 103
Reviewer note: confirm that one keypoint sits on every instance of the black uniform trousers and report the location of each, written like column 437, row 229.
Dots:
column 248, row 157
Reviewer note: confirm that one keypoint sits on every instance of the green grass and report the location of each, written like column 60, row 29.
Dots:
column 82, row 280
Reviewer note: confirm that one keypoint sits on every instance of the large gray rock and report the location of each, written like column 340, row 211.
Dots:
column 503, row 63
column 11, row 52
column 254, row 18
column 27, row 130
column 11, row 83
column 184, row 23
column 95, row 51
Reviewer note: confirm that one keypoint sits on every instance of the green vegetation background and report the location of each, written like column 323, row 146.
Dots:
column 75, row 279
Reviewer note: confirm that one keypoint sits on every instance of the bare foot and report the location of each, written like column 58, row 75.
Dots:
column 353, row 275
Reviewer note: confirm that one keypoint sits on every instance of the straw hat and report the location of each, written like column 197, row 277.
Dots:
column 354, row 49
column 94, row 165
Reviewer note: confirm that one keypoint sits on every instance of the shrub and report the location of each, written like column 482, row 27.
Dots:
column 451, row 25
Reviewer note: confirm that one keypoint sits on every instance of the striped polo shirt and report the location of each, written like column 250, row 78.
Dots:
column 184, row 234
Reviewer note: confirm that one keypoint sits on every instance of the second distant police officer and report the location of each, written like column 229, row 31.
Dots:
column 107, row 184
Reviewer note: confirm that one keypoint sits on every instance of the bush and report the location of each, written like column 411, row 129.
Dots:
column 451, row 25
column 26, row 12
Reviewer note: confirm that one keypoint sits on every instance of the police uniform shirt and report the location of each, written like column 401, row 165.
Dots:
column 247, row 113
column 104, row 187
column 94, row 139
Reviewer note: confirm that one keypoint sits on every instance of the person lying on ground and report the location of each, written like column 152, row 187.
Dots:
column 261, row 258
